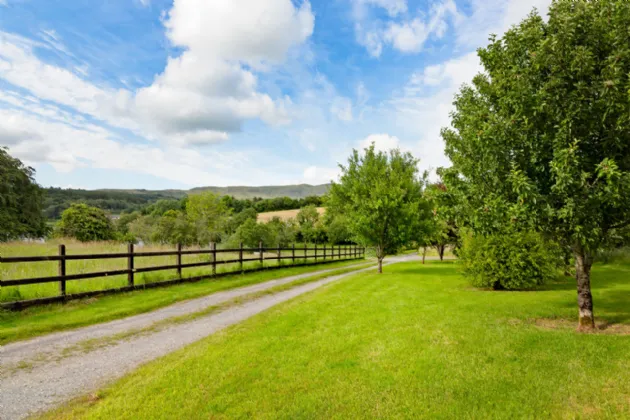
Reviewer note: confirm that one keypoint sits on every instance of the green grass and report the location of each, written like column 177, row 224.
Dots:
column 57, row 317
column 16, row 271
column 415, row 342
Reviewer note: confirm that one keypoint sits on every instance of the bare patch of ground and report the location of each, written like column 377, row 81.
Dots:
column 601, row 327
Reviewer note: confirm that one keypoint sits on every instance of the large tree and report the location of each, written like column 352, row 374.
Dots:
column 380, row 194
column 542, row 137
column 85, row 223
column 20, row 200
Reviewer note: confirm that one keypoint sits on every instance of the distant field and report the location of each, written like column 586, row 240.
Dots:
column 284, row 214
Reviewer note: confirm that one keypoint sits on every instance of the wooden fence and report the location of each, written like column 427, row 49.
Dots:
column 320, row 255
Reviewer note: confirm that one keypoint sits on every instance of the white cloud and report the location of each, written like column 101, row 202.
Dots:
column 320, row 175
column 382, row 142
column 407, row 35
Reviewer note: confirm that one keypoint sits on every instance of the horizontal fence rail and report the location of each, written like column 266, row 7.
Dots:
column 318, row 254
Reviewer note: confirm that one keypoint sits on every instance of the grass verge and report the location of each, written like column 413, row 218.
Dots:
column 36, row 321
column 414, row 342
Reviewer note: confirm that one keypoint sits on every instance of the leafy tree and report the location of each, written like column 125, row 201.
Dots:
column 307, row 219
column 251, row 233
column 283, row 231
column 123, row 222
column 337, row 229
column 541, row 138
column 174, row 228
column 381, row 196
column 444, row 229
column 208, row 213
column 143, row 228
column 85, row 223
column 20, row 200
column 234, row 222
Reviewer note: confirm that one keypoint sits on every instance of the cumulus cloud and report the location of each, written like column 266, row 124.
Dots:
column 320, row 175
column 382, row 142
column 405, row 34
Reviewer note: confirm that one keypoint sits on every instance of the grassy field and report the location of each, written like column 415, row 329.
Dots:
column 57, row 317
column 415, row 342
column 284, row 214
column 48, row 268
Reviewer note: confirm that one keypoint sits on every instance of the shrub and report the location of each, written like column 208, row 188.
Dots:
column 511, row 260
column 85, row 223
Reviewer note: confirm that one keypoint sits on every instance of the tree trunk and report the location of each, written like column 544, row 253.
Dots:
column 380, row 254
column 424, row 254
column 583, row 263
column 441, row 251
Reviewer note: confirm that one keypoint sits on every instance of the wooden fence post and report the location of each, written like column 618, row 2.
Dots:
column 62, row 269
column 179, row 260
column 260, row 248
column 240, row 256
column 293, row 253
column 315, row 251
column 130, row 265
column 324, row 252
column 305, row 252
column 279, row 255
column 213, row 246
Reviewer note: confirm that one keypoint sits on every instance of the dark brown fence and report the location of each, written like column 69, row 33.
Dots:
column 298, row 257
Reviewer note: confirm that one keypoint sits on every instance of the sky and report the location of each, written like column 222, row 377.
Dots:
column 159, row 94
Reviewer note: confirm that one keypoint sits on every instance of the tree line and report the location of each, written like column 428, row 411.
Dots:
column 56, row 200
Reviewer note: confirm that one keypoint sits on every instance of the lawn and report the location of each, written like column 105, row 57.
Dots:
column 415, row 342
column 14, row 271
column 57, row 317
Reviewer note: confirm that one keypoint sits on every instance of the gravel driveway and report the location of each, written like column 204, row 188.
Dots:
column 35, row 375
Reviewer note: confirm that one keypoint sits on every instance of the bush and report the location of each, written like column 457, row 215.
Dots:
column 510, row 261
column 85, row 223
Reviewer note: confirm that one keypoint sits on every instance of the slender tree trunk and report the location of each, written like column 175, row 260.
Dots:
column 380, row 254
column 441, row 251
column 424, row 254
column 583, row 263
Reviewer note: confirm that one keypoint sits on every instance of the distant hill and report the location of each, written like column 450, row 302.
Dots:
column 117, row 201
column 292, row 191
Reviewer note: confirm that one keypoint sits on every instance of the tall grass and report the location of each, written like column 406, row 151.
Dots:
column 14, row 271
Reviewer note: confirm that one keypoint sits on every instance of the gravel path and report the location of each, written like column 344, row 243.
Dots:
column 52, row 379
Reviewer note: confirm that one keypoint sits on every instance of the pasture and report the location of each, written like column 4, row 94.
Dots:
column 24, row 270
column 284, row 214
column 414, row 342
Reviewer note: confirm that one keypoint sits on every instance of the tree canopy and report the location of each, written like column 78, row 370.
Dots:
column 20, row 200
column 85, row 223
column 541, row 140
column 381, row 196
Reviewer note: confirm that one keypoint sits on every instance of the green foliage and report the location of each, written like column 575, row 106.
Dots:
column 307, row 220
column 508, row 260
column 251, row 234
column 174, row 228
column 85, row 223
column 20, row 200
column 337, row 229
column 208, row 214
column 284, row 232
column 235, row 221
column 380, row 194
column 541, row 139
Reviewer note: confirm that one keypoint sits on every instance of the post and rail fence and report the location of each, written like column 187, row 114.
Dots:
column 343, row 253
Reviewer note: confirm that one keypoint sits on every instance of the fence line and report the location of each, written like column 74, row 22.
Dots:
column 343, row 253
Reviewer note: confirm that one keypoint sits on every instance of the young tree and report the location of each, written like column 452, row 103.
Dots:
column 20, row 200
column 207, row 212
column 444, row 230
column 307, row 219
column 542, row 138
column 381, row 196
column 85, row 223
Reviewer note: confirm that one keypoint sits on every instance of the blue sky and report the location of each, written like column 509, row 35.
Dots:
column 162, row 94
